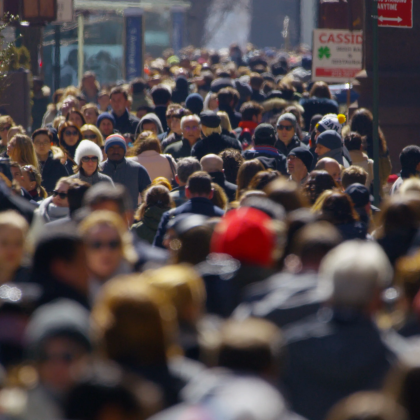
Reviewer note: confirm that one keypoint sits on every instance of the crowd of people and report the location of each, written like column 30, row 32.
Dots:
column 201, row 243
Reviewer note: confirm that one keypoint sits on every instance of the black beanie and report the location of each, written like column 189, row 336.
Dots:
column 265, row 134
column 304, row 155
column 330, row 139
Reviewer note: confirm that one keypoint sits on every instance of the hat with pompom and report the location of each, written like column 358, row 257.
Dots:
column 331, row 122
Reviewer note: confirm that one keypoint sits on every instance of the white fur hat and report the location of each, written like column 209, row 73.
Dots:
column 87, row 148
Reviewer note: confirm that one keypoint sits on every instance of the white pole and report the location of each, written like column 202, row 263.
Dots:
column 80, row 38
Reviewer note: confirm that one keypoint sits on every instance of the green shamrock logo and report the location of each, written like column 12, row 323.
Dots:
column 324, row 52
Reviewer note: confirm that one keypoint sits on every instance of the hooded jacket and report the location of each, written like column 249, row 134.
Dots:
column 146, row 229
column 336, row 154
column 50, row 212
column 149, row 116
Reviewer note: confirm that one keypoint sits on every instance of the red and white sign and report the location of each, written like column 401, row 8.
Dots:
column 395, row 13
column 337, row 54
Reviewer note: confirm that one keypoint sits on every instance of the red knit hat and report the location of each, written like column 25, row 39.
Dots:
column 245, row 234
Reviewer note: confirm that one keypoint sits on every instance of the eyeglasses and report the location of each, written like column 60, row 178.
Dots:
column 113, row 245
column 285, row 127
column 196, row 127
column 91, row 136
column 71, row 133
column 62, row 195
column 89, row 158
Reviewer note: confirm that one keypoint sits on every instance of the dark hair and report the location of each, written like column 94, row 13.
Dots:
column 180, row 112
column 338, row 209
column 286, row 193
column 245, row 174
column 62, row 143
column 199, row 183
column 353, row 141
column 318, row 182
column 256, row 80
column 117, row 90
column 76, row 111
column 226, row 96
column 232, row 161
column 149, row 143
column 353, row 175
column 320, row 90
column 76, row 192
column 101, row 193
column 138, row 85
column 186, row 167
column 42, row 131
column 262, row 179
column 195, row 245
column 171, row 109
column 155, row 195
column 250, row 109
column 160, row 95
column 409, row 159
column 54, row 246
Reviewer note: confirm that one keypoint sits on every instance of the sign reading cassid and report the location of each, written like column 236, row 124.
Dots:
column 337, row 55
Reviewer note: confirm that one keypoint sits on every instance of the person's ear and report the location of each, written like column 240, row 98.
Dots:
column 210, row 196
column 187, row 192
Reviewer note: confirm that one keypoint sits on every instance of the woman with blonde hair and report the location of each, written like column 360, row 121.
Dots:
column 109, row 247
column 21, row 150
column 92, row 133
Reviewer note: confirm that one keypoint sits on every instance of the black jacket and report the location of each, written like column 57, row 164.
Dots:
column 52, row 171
column 127, row 123
column 285, row 150
column 215, row 143
column 314, row 105
column 160, row 111
column 269, row 160
column 197, row 205
column 229, row 188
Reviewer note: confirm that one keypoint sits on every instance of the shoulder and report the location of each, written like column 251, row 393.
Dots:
column 174, row 146
column 104, row 177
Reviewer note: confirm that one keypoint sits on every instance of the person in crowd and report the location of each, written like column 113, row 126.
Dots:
column 161, row 96
column 52, row 108
column 106, row 124
column 199, row 193
column 191, row 132
column 91, row 113
column 31, row 181
column 228, row 98
column 360, row 197
column 49, row 159
column 69, row 102
column 150, row 122
column 21, row 150
column 88, row 156
column 329, row 144
column 69, row 137
column 246, row 172
column 6, row 123
column 175, row 126
column 109, row 248
column 89, row 86
column 181, row 90
column 317, row 183
column 124, row 171
column 225, row 124
column 194, row 103
column 124, row 121
column 213, row 140
column 256, row 81
column 104, row 101
column 232, row 161
column 184, row 168
column 140, row 94
column 264, row 140
column 410, row 166
column 286, row 131
column 213, row 165
column 353, row 142
column 157, row 200
column 353, row 175
column 219, row 199
column 251, row 112
column 91, row 132
column 169, row 112
column 76, row 117
column 299, row 163
column 331, row 166
column 148, row 152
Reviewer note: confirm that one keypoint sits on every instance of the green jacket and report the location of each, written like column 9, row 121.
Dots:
column 146, row 229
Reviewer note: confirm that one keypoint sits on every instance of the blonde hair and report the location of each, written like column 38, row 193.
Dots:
column 113, row 220
column 225, row 120
column 58, row 121
column 91, row 127
column 317, row 206
column 24, row 150
column 70, row 91
column 90, row 106
column 11, row 218
column 16, row 129
column 161, row 180
column 6, row 119
column 207, row 131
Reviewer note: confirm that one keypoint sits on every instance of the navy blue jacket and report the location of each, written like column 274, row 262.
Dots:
column 215, row 143
column 127, row 123
column 196, row 205
column 270, row 160
column 52, row 171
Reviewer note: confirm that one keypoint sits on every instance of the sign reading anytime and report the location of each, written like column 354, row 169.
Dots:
column 337, row 54
column 395, row 13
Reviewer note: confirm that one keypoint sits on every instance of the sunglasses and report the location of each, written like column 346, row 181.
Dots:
column 114, row 244
column 91, row 136
column 89, row 158
column 62, row 195
column 71, row 133
column 285, row 127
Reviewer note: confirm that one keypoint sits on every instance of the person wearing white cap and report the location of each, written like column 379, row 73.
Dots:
column 87, row 157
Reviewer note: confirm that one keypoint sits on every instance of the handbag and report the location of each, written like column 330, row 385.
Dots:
column 173, row 170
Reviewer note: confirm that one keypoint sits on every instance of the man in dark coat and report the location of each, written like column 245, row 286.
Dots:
column 227, row 103
column 124, row 121
column 264, row 150
column 286, row 132
column 213, row 165
column 161, row 96
column 213, row 141
column 199, row 192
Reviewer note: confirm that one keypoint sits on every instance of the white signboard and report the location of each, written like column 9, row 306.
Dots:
column 337, row 54
column 65, row 10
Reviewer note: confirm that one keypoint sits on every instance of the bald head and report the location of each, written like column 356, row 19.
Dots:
column 212, row 163
column 331, row 166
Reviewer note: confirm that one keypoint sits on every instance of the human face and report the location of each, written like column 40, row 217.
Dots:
column 90, row 116
column 176, row 125
column 16, row 174
column 106, row 127
column 191, row 130
column 285, row 131
column 213, row 104
column 42, row 145
column 103, row 251
column 150, row 127
column 11, row 248
column 70, row 136
column 295, row 166
column 62, row 188
column 27, row 180
column 12, row 149
column 3, row 133
column 320, row 150
column 103, row 102
column 89, row 164
column 115, row 153
column 76, row 119
column 118, row 103
column 90, row 135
